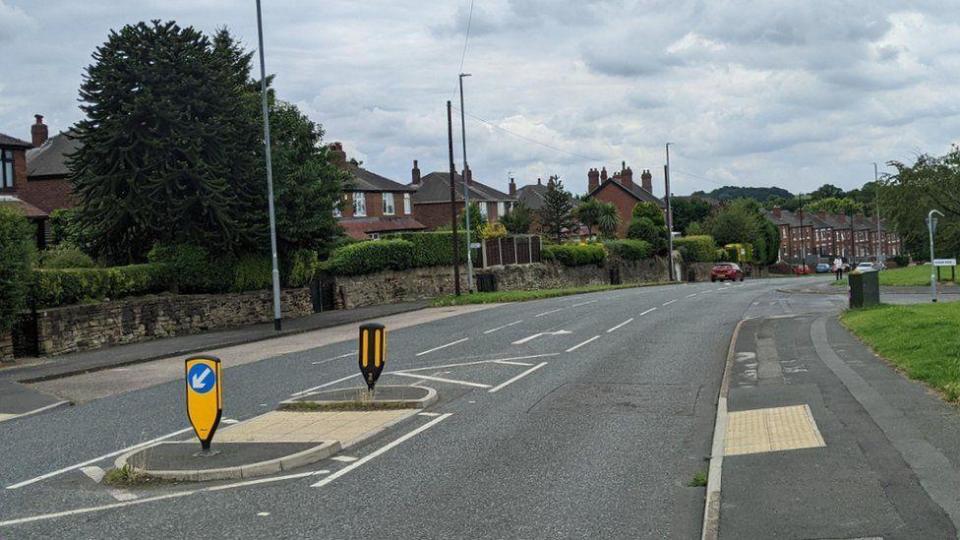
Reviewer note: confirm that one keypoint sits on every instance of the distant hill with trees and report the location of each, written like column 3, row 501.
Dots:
column 759, row 194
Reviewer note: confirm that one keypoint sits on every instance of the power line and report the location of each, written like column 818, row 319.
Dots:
column 466, row 38
column 529, row 139
column 698, row 177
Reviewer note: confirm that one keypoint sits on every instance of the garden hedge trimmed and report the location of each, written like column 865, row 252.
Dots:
column 433, row 248
column 630, row 250
column 699, row 248
column 57, row 287
column 575, row 254
column 15, row 250
column 369, row 257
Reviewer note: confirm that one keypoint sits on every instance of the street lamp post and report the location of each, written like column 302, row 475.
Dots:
column 666, row 179
column 932, row 228
column 876, row 199
column 266, row 144
column 466, row 187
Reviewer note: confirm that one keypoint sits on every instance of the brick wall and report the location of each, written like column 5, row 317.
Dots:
column 47, row 194
column 624, row 203
column 91, row 326
column 434, row 215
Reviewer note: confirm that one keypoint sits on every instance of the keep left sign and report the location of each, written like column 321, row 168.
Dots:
column 204, row 396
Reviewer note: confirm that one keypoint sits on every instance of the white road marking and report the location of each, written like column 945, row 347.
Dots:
column 509, row 363
column 324, row 385
column 96, row 459
column 621, row 325
column 428, row 414
column 670, row 302
column 517, row 378
column 581, row 344
column 5, row 417
column 122, row 494
column 492, row 330
column 95, row 473
column 345, row 459
column 583, row 303
column 383, row 449
column 351, row 353
column 265, row 514
column 441, row 379
column 229, row 421
column 535, row 336
column 452, row 343
column 691, row 295
column 549, row 312
column 647, row 311
column 475, row 363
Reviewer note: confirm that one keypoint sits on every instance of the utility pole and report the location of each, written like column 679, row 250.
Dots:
column 466, row 187
column 876, row 199
column 453, row 203
column 666, row 180
column 803, row 234
column 266, row 144
column 932, row 227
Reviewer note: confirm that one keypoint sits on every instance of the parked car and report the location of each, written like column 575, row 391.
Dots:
column 866, row 266
column 823, row 268
column 802, row 269
column 726, row 271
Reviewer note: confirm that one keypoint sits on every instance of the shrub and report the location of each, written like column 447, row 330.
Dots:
column 700, row 248
column 303, row 266
column 433, row 248
column 373, row 256
column 65, row 256
column 900, row 260
column 575, row 254
column 252, row 273
column 629, row 250
column 489, row 231
column 193, row 270
column 15, row 251
column 57, row 287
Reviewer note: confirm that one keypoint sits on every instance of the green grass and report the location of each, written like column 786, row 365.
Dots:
column 128, row 476
column 922, row 340
column 523, row 296
column 911, row 276
column 698, row 480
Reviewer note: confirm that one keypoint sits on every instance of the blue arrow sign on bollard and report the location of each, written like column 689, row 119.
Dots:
column 201, row 378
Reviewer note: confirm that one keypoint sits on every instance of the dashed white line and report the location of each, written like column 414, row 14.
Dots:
column 345, row 459
column 528, row 338
column 581, row 344
column 351, row 353
column 431, row 414
column 452, row 343
column 509, row 363
column 621, row 325
column 691, row 295
column 475, row 363
column 647, row 311
column 669, row 302
column 441, row 379
column 492, row 330
column 549, row 312
column 583, row 303
column 517, row 378
column 122, row 495
column 324, row 385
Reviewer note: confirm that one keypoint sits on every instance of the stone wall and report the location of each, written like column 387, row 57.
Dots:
column 6, row 347
column 393, row 287
column 700, row 270
column 91, row 326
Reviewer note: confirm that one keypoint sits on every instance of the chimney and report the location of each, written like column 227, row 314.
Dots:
column 623, row 165
column 468, row 176
column 539, row 182
column 513, row 187
column 776, row 212
column 627, row 177
column 415, row 173
column 38, row 131
column 337, row 155
column 593, row 180
column 822, row 214
column 603, row 175
column 646, row 181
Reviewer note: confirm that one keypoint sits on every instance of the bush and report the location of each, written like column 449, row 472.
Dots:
column 433, row 248
column 65, row 256
column 193, row 270
column 630, row 250
column 372, row 256
column 700, row 248
column 303, row 266
column 575, row 254
column 252, row 273
column 58, row 287
column 16, row 246
column 901, row 261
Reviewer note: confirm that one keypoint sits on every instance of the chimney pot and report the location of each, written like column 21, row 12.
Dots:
column 603, row 174
column 539, row 181
column 415, row 173
column 513, row 187
column 39, row 131
column 593, row 180
column 337, row 155
column 626, row 177
column 646, row 181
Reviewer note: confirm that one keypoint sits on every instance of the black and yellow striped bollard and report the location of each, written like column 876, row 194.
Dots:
column 373, row 352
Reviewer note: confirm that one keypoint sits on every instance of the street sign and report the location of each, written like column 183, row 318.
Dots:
column 204, row 396
column 475, row 245
column 944, row 262
column 373, row 352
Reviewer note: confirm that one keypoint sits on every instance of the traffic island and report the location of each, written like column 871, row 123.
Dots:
column 184, row 461
column 385, row 397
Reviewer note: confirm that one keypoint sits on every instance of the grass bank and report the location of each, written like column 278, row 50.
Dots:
column 523, row 296
column 922, row 340
column 910, row 276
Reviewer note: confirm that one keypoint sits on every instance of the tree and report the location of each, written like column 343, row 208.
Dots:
column 906, row 197
column 743, row 222
column 827, row 191
column 687, row 210
column 518, row 219
column 587, row 213
column 608, row 220
column 15, row 252
column 834, row 205
column 648, row 224
column 556, row 215
column 599, row 215
column 476, row 218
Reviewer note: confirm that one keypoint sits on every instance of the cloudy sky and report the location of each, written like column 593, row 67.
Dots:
column 764, row 92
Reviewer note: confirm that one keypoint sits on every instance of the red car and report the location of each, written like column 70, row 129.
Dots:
column 725, row 271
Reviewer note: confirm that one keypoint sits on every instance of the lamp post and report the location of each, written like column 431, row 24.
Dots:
column 666, row 179
column 466, row 187
column 876, row 200
column 275, row 274
column 932, row 228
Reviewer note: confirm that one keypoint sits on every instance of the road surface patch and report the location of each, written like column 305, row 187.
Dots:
column 347, row 427
column 771, row 430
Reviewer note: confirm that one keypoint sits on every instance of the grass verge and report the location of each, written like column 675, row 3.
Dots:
column 698, row 480
column 539, row 294
column 910, row 276
column 922, row 340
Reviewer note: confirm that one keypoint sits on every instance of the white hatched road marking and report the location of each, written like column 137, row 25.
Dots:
column 452, row 343
column 492, row 330
column 621, row 325
column 581, row 344
column 441, row 379
column 517, row 378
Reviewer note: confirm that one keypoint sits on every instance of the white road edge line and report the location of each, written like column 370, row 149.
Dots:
column 324, row 385
column 96, row 459
column 441, row 379
column 517, row 378
column 670, row 302
column 647, row 311
column 582, row 343
column 621, row 325
column 452, row 343
column 383, row 449
column 35, row 411
column 549, row 312
column 492, row 330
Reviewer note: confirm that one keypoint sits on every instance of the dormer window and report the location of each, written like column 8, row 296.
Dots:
column 6, row 168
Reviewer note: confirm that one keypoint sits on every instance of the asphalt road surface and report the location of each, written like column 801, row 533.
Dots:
column 592, row 421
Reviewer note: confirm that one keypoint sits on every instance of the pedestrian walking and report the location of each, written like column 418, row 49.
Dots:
column 838, row 268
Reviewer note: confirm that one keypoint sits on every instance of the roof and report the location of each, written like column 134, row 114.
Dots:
column 50, row 159
column 821, row 221
column 362, row 227
column 532, row 196
column 636, row 191
column 364, row 180
column 28, row 209
column 435, row 188
column 6, row 140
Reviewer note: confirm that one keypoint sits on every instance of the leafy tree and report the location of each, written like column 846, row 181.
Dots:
column 694, row 229
column 687, row 210
column 648, row 224
column 476, row 218
column 518, row 220
column 730, row 193
column 907, row 196
column 743, row 222
column 598, row 215
column 556, row 215
column 588, row 212
column 827, row 191
column 834, row 205
column 608, row 220
column 16, row 247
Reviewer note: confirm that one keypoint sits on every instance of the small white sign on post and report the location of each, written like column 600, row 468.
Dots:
column 944, row 262
column 475, row 245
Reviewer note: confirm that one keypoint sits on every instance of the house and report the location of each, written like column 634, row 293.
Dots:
column 372, row 204
column 48, row 184
column 431, row 201
column 622, row 192
column 13, row 177
column 825, row 236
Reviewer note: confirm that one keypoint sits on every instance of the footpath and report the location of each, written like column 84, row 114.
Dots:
column 823, row 439
column 17, row 399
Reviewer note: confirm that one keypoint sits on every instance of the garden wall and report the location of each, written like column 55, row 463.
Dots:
column 91, row 326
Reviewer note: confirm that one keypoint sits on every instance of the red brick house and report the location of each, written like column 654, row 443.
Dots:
column 431, row 201
column 620, row 190
column 372, row 204
column 826, row 236
column 13, row 177
column 48, row 185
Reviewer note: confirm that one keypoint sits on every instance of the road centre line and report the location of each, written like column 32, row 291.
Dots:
column 452, row 343
column 581, row 344
column 96, row 459
column 440, row 379
column 492, row 330
column 324, row 385
column 691, row 295
column 351, row 353
column 549, row 312
column 472, row 363
column 670, row 302
column 621, row 325
column 647, row 311
column 509, row 363
column 517, row 378
column 583, row 303
column 383, row 449
column 528, row 338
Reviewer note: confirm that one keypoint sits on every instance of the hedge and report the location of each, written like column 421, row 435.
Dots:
column 57, row 287
column 15, row 251
column 629, row 250
column 433, row 248
column 575, row 254
column 700, row 248
column 369, row 257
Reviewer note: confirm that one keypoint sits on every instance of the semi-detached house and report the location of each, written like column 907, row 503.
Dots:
column 431, row 200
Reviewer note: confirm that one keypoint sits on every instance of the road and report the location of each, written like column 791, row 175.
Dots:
column 593, row 419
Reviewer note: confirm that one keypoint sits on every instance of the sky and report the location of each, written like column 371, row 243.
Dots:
column 755, row 93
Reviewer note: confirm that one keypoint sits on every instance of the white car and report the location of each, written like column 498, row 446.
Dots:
column 866, row 267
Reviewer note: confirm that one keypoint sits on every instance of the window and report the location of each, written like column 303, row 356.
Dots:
column 359, row 204
column 388, row 209
column 6, row 168
column 407, row 204
column 501, row 209
column 483, row 210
